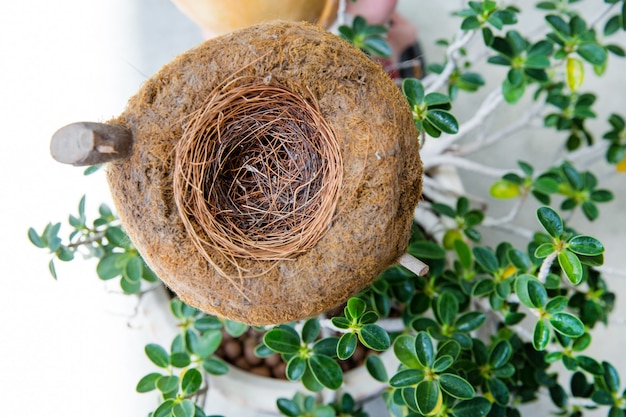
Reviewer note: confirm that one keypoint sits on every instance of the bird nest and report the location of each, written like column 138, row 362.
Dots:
column 273, row 173
column 257, row 174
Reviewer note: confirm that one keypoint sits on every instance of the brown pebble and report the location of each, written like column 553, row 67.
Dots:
column 273, row 360
column 248, row 353
column 232, row 349
column 261, row 371
column 242, row 363
column 279, row 370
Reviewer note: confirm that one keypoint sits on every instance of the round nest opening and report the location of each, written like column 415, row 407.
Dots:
column 257, row 174
column 273, row 173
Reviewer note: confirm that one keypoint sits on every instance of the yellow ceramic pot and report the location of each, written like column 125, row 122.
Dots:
column 217, row 17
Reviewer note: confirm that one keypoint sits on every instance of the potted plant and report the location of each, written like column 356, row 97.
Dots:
column 494, row 323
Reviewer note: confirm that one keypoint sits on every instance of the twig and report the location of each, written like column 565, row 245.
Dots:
column 544, row 271
column 509, row 217
column 486, row 109
column 92, row 239
column 435, row 82
column 508, row 227
column 524, row 121
column 469, row 165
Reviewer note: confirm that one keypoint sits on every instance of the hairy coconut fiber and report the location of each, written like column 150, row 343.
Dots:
column 273, row 174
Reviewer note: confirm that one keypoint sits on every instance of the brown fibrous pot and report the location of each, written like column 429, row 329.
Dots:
column 380, row 184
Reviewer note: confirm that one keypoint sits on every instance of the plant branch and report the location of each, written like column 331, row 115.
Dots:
column 544, row 271
column 96, row 237
column 435, row 82
column 521, row 123
column 486, row 109
column 465, row 164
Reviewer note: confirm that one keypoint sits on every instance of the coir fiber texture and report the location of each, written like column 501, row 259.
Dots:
column 273, row 174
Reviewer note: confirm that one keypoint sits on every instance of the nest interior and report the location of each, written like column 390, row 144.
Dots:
column 330, row 212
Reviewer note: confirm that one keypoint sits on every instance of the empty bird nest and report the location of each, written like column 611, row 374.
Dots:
column 273, row 174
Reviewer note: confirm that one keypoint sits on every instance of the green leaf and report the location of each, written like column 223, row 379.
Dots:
column 235, row 328
column 208, row 343
column 571, row 266
column 476, row 407
column 447, row 307
column 442, row 363
column 611, row 377
column 513, row 93
column 295, row 368
column 185, row 408
column 585, row 245
column 456, row 387
column 157, row 355
column 500, row 354
column 180, row 359
column 355, row 308
column 207, row 323
column 282, row 339
column 35, row 239
column 406, row 378
column 428, row 397
column 288, row 407
column 424, row 349
column 167, row 384
column 544, row 250
column 52, row 269
column 376, row 368
column 567, row 324
column 326, row 371
column 413, row 90
column 541, row 335
column 148, row 382
column 602, row 397
column 550, row 221
column 374, row 337
column 486, row 258
column 134, row 269
column 377, row 46
column 443, row 120
column 504, row 189
column 470, row 321
column 191, row 381
column 215, row 366
column 592, row 53
column 559, row 25
column 556, row 304
column 108, row 267
column 426, row 250
column 499, row 391
column 165, row 409
column 435, row 99
column 311, row 330
column 404, row 349
column 590, row 365
column 346, row 346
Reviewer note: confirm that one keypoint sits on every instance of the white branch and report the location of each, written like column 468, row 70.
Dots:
column 435, row 82
column 544, row 271
column 486, row 109
column 467, row 164
column 521, row 123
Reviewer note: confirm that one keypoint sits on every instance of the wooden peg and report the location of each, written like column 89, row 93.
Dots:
column 413, row 264
column 90, row 143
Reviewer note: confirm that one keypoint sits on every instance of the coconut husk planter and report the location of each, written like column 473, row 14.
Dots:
column 273, row 173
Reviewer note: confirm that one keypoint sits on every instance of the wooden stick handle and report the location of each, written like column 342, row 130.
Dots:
column 413, row 264
column 90, row 143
